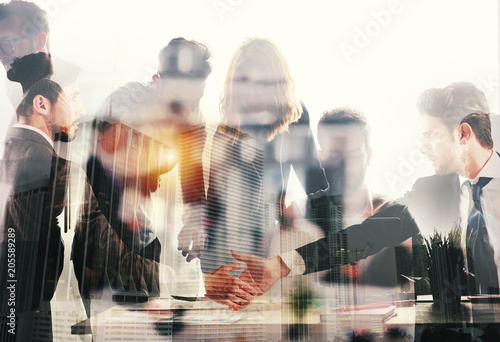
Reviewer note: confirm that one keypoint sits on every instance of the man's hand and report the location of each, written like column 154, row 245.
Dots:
column 192, row 239
column 261, row 273
column 224, row 288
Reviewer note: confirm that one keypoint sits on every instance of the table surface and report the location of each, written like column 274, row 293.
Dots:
column 162, row 316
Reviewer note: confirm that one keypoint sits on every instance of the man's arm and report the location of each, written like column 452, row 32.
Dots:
column 359, row 241
column 389, row 227
column 192, row 239
column 98, row 253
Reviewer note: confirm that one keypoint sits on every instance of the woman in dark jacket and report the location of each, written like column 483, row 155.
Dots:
column 264, row 131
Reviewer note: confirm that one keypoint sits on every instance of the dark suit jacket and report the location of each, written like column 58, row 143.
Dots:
column 389, row 227
column 99, row 255
column 434, row 202
column 108, row 190
column 33, row 187
column 234, row 205
column 254, row 173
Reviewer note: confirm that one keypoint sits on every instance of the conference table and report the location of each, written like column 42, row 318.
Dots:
column 203, row 320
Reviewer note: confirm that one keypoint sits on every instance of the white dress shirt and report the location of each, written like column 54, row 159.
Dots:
column 490, row 203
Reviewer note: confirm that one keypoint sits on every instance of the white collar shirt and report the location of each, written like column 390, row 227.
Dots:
column 490, row 203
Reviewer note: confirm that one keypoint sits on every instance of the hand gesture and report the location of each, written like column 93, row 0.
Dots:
column 192, row 239
column 224, row 288
column 261, row 273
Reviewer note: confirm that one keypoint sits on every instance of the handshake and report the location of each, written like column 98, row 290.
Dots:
column 259, row 276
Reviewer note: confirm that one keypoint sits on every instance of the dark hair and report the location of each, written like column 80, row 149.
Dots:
column 345, row 116
column 33, row 72
column 481, row 126
column 31, row 68
column 184, row 58
column 45, row 87
column 34, row 19
column 452, row 103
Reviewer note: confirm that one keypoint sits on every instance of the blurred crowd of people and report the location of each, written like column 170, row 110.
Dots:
column 97, row 182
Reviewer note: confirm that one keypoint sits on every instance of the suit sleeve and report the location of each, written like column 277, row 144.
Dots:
column 98, row 253
column 307, row 166
column 389, row 227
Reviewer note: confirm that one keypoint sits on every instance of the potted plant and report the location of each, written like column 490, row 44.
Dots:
column 446, row 270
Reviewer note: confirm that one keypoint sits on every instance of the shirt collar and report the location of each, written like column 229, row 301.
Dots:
column 463, row 180
column 34, row 129
column 491, row 169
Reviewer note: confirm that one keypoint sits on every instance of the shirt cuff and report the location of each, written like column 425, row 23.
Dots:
column 293, row 260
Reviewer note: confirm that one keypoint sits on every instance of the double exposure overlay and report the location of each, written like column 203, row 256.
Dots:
column 249, row 171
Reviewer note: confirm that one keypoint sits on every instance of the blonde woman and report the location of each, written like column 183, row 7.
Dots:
column 264, row 131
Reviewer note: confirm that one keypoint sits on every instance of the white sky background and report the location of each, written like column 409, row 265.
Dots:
column 425, row 43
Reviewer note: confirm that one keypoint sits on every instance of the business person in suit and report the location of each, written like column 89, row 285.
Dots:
column 24, row 30
column 434, row 201
column 480, row 192
column 264, row 131
column 389, row 227
column 345, row 154
column 167, row 110
column 439, row 199
column 375, row 226
column 35, row 183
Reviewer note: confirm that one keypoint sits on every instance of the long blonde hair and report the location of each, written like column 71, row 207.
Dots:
column 265, row 54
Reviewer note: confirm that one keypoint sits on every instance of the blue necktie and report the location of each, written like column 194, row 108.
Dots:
column 479, row 251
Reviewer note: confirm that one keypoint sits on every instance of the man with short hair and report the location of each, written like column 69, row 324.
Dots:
column 434, row 201
column 183, row 68
column 35, row 181
column 24, row 29
column 166, row 110
column 372, row 226
column 480, row 200
column 345, row 155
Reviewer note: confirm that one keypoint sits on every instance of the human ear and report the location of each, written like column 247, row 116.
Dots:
column 464, row 133
column 41, row 105
column 40, row 42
